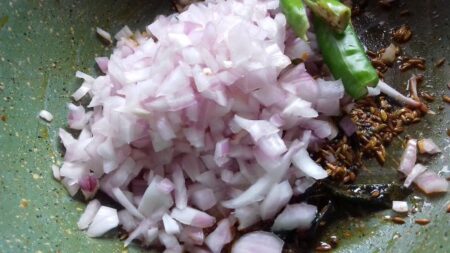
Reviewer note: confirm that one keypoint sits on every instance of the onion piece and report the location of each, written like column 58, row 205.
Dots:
column 415, row 172
column 45, row 115
column 427, row 146
column 409, row 157
column 296, row 216
column 56, row 173
column 170, row 225
column 258, row 241
column 400, row 206
column 220, row 236
column 429, row 182
column 204, row 198
column 193, row 217
column 125, row 202
column 278, row 196
column 256, row 128
column 104, row 220
column 180, row 188
column 307, row 165
column 170, row 242
column 104, row 34
column 155, row 201
column 247, row 216
column 192, row 235
column 89, row 213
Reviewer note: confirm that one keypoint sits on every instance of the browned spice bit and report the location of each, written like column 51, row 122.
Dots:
column 398, row 220
column 3, row 117
column 375, row 194
column 347, row 234
column 405, row 12
column 378, row 63
column 422, row 221
column 420, row 66
column 446, row 99
column 383, row 115
column 448, row 85
column 405, row 66
column 323, row 246
column 440, row 62
column 448, row 132
column 23, row 203
column 371, row 54
column 402, row 34
column 415, row 61
column 448, row 208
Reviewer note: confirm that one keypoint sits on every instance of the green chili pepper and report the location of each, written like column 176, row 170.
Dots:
column 346, row 58
column 295, row 13
column 336, row 14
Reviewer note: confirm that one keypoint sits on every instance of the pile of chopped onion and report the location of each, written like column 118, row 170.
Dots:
column 201, row 126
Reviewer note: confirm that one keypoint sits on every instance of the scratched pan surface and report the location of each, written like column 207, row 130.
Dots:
column 42, row 44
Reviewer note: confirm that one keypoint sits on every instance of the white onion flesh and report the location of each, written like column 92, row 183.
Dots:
column 409, row 157
column 261, row 242
column 427, row 146
column 104, row 220
column 415, row 172
column 88, row 215
column 104, row 34
column 188, row 125
column 46, row 115
column 295, row 216
column 429, row 182
column 400, row 206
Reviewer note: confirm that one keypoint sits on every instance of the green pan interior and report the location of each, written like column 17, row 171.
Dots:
column 43, row 43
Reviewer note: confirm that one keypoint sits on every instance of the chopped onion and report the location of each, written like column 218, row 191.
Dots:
column 200, row 118
column 276, row 199
column 307, row 165
column 192, row 235
column 409, row 157
column 415, row 172
column 193, row 217
column 259, row 241
column 296, row 216
column 56, row 174
column 220, row 236
column 170, row 225
column 88, row 215
column 247, row 216
column 45, row 115
column 104, row 34
column 427, row 146
column 400, row 206
column 104, row 220
column 429, row 182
